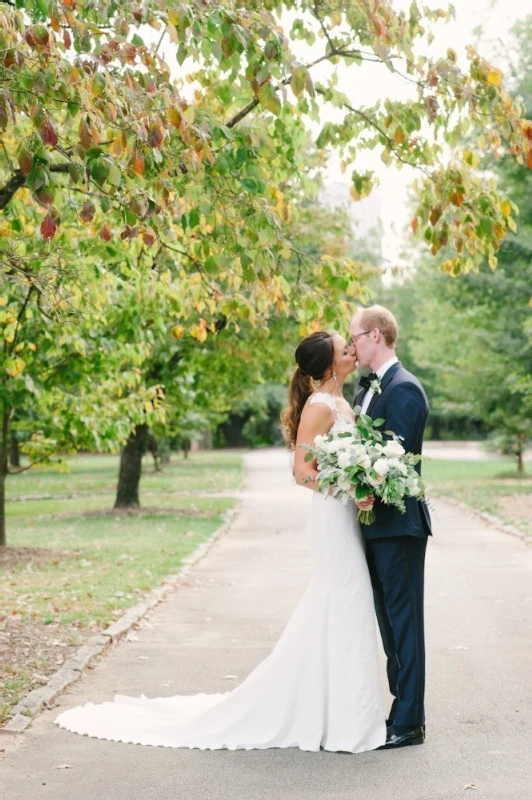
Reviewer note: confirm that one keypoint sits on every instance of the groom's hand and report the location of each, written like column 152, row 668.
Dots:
column 366, row 504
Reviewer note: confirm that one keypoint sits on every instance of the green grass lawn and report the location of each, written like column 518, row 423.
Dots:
column 491, row 486
column 83, row 564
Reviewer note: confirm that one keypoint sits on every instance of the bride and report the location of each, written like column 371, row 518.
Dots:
column 320, row 686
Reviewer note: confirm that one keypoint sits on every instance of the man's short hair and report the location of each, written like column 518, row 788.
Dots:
column 383, row 319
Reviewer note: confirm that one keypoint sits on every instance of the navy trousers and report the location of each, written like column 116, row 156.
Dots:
column 397, row 566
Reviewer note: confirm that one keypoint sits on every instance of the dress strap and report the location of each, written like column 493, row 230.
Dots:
column 325, row 398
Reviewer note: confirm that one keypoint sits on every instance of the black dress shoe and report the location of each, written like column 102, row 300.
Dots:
column 403, row 738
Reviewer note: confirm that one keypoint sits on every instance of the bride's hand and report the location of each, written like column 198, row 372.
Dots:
column 366, row 504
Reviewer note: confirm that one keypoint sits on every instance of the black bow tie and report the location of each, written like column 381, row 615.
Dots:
column 365, row 383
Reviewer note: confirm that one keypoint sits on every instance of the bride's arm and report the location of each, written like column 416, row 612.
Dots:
column 316, row 420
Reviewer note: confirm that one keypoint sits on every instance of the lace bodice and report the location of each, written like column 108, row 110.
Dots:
column 342, row 421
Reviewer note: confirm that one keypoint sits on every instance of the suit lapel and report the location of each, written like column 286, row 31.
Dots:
column 359, row 396
column 385, row 382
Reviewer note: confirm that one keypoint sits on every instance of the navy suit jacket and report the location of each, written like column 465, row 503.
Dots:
column 404, row 407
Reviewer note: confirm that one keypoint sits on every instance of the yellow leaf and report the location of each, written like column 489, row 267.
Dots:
column 148, row 406
column 506, row 208
column 494, row 78
column 3, row 301
column 174, row 116
column 178, row 332
column 17, row 368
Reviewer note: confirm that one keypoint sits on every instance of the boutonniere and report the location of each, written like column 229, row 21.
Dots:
column 375, row 386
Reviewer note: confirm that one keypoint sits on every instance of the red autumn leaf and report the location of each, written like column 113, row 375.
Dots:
column 87, row 212
column 48, row 228
column 105, row 233
column 48, row 132
column 457, row 198
column 414, row 224
column 85, row 134
column 529, row 159
column 67, row 41
column 435, row 214
column 129, row 232
column 29, row 37
column 25, row 162
column 137, row 162
column 149, row 236
column 44, row 197
column 156, row 136
column 380, row 28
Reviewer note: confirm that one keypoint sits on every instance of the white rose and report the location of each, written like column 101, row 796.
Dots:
column 393, row 449
column 344, row 459
column 331, row 447
column 364, row 462
column 394, row 463
column 381, row 466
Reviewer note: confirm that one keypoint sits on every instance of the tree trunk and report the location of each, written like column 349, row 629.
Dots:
column 165, row 457
column 14, row 452
column 521, row 454
column 186, row 444
column 127, row 494
column 3, row 474
column 2, row 507
column 153, row 446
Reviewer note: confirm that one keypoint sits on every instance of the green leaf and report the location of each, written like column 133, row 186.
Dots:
column 269, row 99
column 193, row 218
column 211, row 265
column 114, row 176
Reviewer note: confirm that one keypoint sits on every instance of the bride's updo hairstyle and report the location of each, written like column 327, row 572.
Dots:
column 314, row 358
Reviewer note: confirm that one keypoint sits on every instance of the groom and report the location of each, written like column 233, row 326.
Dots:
column 396, row 542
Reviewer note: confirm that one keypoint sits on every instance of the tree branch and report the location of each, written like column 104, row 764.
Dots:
column 18, row 180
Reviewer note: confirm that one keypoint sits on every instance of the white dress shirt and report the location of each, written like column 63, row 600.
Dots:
column 380, row 374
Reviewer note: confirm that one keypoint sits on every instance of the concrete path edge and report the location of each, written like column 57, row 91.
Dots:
column 495, row 522
column 26, row 710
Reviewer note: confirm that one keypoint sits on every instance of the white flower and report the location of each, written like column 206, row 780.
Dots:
column 345, row 459
column 393, row 448
column 412, row 486
column 394, row 463
column 345, row 484
column 375, row 386
column 363, row 460
column 381, row 466
column 333, row 446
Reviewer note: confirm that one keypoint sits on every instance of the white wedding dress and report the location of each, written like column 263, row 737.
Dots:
column 320, row 686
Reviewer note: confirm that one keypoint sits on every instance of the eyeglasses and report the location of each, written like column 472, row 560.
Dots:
column 359, row 334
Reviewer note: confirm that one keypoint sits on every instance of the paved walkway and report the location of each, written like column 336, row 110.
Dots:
column 479, row 694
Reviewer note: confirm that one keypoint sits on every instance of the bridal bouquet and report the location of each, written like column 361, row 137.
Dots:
column 358, row 462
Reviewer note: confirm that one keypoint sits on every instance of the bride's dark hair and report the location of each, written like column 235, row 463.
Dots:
column 314, row 356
